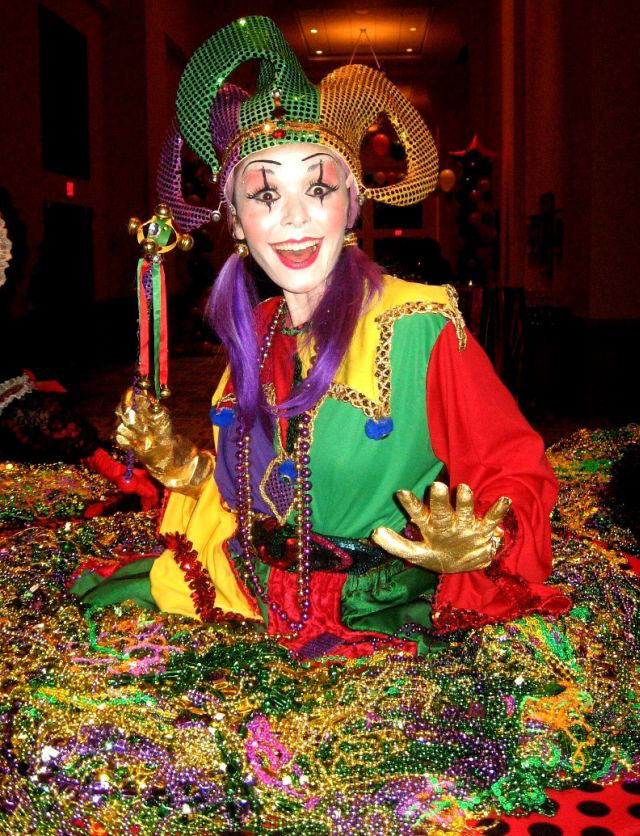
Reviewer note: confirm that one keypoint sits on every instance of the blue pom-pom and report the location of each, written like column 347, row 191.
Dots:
column 221, row 417
column 287, row 470
column 378, row 429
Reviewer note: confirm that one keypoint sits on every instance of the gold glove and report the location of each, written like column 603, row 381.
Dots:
column 145, row 428
column 454, row 541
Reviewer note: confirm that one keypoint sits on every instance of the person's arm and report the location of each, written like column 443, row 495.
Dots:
column 485, row 442
column 145, row 428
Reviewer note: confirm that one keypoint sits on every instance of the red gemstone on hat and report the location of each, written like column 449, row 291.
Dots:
column 279, row 134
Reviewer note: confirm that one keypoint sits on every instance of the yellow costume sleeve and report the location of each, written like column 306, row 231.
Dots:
column 207, row 525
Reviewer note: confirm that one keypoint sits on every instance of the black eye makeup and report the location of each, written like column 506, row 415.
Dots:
column 266, row 194
column 318, row 188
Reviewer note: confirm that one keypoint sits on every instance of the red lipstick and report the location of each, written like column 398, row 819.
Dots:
column 295, row 255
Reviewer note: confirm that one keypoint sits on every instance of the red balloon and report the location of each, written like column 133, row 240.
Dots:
column 474, row 194
column 380, row 144
column 392, row 177
column 484, row 185
column 380, row 177
column 446, row 180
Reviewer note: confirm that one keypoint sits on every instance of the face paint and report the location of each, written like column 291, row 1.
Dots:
column 291, row 207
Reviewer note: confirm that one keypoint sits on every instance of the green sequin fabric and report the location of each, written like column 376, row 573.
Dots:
column 220, row 119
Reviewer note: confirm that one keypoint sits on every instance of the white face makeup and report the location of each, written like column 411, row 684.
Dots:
column 291, row 206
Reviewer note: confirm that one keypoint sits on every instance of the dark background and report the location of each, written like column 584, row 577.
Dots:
column 549, row 86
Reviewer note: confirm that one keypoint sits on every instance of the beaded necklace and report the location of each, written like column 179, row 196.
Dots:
column 301, row 504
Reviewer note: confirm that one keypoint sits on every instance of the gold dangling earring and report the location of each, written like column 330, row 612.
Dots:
column 241, row 248
column 350, row 240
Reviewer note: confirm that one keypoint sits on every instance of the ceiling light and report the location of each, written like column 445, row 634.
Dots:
column 409, row 49
column 318, row 52
column 411, row 29
column 313, row 31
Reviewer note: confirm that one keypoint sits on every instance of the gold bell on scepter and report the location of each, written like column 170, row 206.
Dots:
column 185, row 242
column 157, row 235
column 149, row 246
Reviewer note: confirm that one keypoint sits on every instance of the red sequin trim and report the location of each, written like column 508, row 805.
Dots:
column 203, row 592
column 513, row 589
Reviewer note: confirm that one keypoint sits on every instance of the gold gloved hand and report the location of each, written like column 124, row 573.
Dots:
column 145, row 428
column 454, row 541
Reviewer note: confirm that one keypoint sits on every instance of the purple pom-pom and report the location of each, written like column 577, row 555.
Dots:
column 378, row 429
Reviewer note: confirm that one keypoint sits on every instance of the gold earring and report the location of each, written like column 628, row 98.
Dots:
column 350, row 240
column 241, row 248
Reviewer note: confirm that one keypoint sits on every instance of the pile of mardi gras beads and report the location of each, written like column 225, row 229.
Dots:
column 583, row 464
column 32, row 493
column 123, row 721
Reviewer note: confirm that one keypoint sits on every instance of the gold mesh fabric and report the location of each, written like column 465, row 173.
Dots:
column 287, row 107
column 351, row 99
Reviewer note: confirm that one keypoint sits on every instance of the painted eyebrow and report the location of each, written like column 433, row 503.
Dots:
column 318, row 154
column 273, row 162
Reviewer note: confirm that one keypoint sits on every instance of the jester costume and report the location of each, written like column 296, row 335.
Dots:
column 455, row 695
column 411, row 342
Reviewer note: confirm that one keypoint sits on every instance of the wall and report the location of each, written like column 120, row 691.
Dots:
column 569, row 124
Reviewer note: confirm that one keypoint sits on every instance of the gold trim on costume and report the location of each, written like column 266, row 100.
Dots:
column 385, row 322
column 269, row 127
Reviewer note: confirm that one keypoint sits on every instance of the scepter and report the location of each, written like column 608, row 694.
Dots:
column 156, row 236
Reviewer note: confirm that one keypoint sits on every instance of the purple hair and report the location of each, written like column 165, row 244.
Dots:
column 354, row 282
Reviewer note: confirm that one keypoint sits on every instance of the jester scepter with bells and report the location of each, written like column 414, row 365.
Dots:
column 320, row 516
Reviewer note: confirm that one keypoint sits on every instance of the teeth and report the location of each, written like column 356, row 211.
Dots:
column 296, row 246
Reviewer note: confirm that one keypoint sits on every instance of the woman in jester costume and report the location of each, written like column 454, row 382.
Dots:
column 354, row 646
column 321, row 514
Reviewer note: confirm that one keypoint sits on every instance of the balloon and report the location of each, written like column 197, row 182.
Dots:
column 397, row 151
column 446, row 179
column 380, row 144
column 380, row 177
column 475, row 218
column 392, row 177
column 475, row 194
column 484, row 184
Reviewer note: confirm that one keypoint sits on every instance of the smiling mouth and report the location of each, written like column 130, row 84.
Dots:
column 298, row 254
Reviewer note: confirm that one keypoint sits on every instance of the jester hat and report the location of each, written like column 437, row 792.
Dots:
column 223, row 124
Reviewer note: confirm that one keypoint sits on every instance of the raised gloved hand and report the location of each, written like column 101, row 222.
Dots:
column 454, row 541
column 145, row 428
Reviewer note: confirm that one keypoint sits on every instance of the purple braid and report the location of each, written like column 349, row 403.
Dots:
column 230, row 314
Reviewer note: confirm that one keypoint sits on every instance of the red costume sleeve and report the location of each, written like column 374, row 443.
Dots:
column 484, row 440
